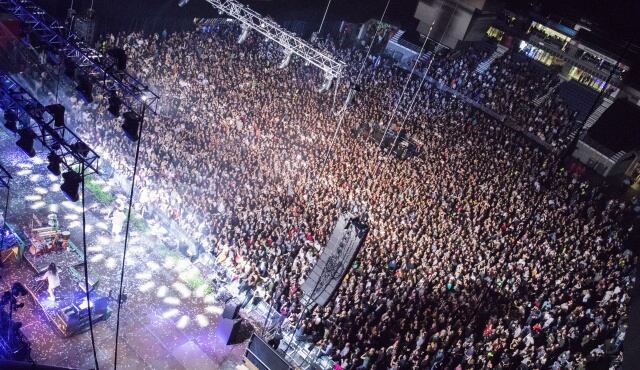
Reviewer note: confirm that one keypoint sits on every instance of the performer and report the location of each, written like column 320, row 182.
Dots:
column 117, row 221
column 53, row 280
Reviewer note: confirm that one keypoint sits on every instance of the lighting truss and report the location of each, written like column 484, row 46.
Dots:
column 99, row 67
column 31, row 114
column 332, row 67
column 5, row 177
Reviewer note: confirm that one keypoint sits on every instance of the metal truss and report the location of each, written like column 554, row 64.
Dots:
column 31, row 114
column 99, row 67
column 5, row 177
column 332, row 67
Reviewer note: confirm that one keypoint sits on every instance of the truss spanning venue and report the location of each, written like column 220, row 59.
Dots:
column 332, row 67
column 57, row 139
column 72, row 51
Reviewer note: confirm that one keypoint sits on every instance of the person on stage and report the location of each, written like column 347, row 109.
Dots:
column 53, row 280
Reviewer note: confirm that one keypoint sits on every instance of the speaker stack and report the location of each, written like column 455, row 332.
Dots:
column 231, row 328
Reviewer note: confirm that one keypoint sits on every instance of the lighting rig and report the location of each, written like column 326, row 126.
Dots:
column 291, row 44
column 85, row 65
column 46, row 124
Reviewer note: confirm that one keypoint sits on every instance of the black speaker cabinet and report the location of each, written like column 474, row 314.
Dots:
column 231, row 311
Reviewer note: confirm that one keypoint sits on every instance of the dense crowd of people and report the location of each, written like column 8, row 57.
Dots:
column 510, row 87
column 483, row 252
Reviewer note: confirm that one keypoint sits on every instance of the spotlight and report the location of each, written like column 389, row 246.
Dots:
column 85, row 88
column 114, row 105
column 120, row 58
column 131, row 126
column 80, row 148
column 25, row 141
column 182, row 3
column 10, row 121
column 54, row 163
column 70, row 184
column 57, row 111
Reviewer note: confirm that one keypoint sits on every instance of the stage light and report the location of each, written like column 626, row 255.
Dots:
column 80, row 148
column 85, row 88
column 57, row 111
column 25, row 141
column 182, row 3
column 71, row 183
column 54, row 163
column 131, row 126
column 10, row 121
column 120, row 58
column 114, row 105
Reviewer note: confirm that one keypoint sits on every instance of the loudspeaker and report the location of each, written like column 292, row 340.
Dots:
column 264, row 357
column 233, row 331
column 231, row 311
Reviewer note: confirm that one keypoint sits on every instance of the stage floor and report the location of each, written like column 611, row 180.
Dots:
column 169, row 318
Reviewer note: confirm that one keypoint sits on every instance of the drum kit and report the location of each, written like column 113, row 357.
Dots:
column 49, row 238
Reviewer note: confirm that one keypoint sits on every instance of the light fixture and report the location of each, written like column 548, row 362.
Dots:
column 114, row 105
column 25, row 141
column 182, row 3
column 10, row 121
column 131, row 126
column 85, row 88
column 54, row 163
column 80, row 148
column 71, row 183
column 120, row 58
column 57, row 112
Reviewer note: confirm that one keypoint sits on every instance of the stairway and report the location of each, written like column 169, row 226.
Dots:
column 485, row 64
column 397, row 36
column 541, row 99
column 597, row 113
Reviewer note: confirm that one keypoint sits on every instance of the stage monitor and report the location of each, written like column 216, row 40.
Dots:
column 263, row 357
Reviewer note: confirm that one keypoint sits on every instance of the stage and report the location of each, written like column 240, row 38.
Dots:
column 169, row 318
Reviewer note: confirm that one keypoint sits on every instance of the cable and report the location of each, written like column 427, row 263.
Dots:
column 343, row 111
column 126, row 240
column 86, row 273
column 323, row 17
column 415, row 95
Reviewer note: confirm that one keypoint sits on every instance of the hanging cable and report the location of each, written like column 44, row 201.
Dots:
column 324, row 17
column 126, row 240
column 415, row 95
column 343, row 110
column 86, row 272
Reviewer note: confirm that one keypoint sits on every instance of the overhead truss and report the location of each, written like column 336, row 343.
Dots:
column 332, row 67
column 31, row 114
column 99, row 67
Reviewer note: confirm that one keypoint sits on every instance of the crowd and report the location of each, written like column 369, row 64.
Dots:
column 483, row 252
column 510, row 87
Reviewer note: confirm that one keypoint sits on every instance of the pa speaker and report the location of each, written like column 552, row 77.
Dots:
column 231, row 311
